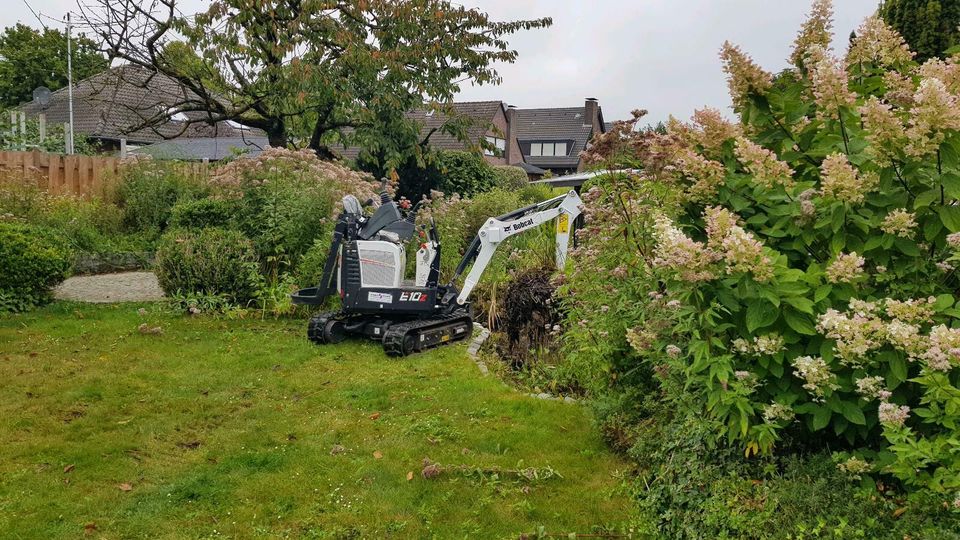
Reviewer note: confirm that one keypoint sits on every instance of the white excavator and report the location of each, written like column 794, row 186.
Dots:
column 366, row 262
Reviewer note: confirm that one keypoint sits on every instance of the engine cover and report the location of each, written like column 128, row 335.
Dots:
column 381, row 263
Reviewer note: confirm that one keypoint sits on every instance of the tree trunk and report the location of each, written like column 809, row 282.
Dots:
column 277, row 134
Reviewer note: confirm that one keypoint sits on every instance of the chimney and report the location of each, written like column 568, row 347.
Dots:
column 508, row 154
column 591, row 110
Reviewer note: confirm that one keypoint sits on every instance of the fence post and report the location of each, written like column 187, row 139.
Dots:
column 42, row 122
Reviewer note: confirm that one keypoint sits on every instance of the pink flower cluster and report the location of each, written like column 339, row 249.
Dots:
column 829, row 80
column 815, row 31
column 891, row 414
column 744, row 76
column 841, row 181
column 878, row 44
column 847, row 267
column 885, row 132
column 816, row 375
column 763, row 164
column 934, row 112
column 899, row 222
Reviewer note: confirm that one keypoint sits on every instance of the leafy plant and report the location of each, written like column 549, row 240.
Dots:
column 32, row 261
column 208, row 262
column 148, row 190
column 285, row 200
column 798, row 267
column 202, row 213
column 510, row 177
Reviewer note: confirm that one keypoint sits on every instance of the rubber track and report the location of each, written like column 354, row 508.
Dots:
column 317, row 323
column 393, row 339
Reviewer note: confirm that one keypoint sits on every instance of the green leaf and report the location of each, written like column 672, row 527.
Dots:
column 950, row 216
column 951, row 184
column 799, row 322
column 898, row 369
column 823, row 291
column 821, row 417
column 907, row 246
column 873, row 242
column 853, row 413
column 760, row 313
column 943, row 302
column 838, row 242
column 803, row 305
column 931, row 228
column 926, row 199
column 839, row 213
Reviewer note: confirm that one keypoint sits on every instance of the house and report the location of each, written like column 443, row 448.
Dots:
column 111, row 108
column 205, row 148
column 537, row 140
column 552, row 138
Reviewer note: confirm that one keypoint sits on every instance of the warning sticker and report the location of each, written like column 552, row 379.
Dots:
column 563, row 223
column 382, row 298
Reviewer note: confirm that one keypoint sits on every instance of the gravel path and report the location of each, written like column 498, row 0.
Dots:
column 106, row 288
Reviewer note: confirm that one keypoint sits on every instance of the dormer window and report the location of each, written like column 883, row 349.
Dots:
column 539, row 149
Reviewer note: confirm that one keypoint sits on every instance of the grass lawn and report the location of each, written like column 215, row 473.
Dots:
column 245, row 429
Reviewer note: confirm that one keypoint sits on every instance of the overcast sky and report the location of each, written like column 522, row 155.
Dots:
column 659, row 55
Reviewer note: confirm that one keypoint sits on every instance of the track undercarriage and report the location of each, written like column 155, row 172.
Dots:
column 399, row 337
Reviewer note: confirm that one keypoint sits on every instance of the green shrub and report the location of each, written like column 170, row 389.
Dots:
column 795, row 269
column 208, row 262
column 510, row 177
column 148, row 190
column 534, row 193
column 203, row 213
column 32, row 261
column 692, row 487
column 466, row 173
column 285, row 200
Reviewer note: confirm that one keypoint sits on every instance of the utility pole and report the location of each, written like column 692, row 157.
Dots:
column 69, row 137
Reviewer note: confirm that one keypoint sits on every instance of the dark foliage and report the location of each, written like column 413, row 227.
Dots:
column 929, row 26
column 32, row 261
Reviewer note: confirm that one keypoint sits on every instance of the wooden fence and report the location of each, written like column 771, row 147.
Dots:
column 77, row 175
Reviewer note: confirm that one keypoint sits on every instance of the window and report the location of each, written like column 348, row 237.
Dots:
column 498, row 143
column 548, row 149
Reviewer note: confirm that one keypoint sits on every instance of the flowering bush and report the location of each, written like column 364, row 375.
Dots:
column 795, row 270
column 287, row 199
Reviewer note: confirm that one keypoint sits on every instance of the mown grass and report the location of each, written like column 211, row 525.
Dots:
column 220, row 427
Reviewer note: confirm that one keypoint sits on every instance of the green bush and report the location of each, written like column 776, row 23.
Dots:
column 286, row 200
column 534, row 193
column 148, row 190
column 796, row 270
column 32, row 261
column 466, row 173
column 510, row 177
column 208, row 262
column 692, row 487
column 203, row 213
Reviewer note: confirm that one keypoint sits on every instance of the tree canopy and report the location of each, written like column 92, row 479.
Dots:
column 929, row 26
column 309, row 72
column 30, row 58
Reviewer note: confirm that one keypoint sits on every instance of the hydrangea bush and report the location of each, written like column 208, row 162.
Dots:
column 795, row 269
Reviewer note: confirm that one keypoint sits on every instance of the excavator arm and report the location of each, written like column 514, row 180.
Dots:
column 564, row 209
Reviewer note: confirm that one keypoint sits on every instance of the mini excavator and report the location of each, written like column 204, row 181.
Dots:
column 366, row 262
